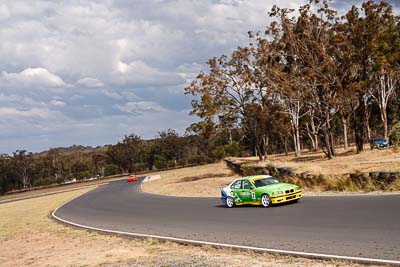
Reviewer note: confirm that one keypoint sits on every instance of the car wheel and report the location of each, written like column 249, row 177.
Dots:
column 265, row 201
column 230, row 202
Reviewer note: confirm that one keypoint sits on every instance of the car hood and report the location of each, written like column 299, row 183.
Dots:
column 278, row 187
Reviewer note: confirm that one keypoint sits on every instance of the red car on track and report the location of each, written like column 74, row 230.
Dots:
column 132, row 178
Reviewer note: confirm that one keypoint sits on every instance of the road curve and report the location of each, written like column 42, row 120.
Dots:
column 355, row 226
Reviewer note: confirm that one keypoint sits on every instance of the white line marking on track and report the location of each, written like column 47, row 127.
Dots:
column 223, row 245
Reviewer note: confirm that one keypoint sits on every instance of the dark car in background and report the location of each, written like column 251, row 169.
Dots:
column 379, row 142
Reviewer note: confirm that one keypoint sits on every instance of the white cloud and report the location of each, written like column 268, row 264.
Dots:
column 32, row 78
column 138, row 73
column 90, row 82
column 57, row 103
column 140, row 107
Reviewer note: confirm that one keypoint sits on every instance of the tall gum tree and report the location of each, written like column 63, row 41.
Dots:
column 227, row 94
column 384, row 44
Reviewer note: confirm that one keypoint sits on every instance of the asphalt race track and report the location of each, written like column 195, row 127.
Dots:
column 357, row 226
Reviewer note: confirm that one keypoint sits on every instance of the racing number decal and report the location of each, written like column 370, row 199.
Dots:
column 253, row 195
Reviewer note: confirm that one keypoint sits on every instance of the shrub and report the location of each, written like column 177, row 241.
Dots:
column 44, row 182
column 228, row 150
column 111, row 169
column 160, row 162
column 83, row 175
column 394, row 136
column 183, row 162
column 137, row 167
column 198, row 159
column 232, row 149
column 218, row 152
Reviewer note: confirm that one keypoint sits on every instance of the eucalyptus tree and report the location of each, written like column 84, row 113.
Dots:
column 22, row 166
column 229, row 94
column 311, row 72
column 384, row 43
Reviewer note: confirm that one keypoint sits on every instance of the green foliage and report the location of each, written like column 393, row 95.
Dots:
column 228, row 150
column 138, row 167
column 394, row 136
column 83, row 175
column 198, row 160
column 160, row 162
column 47, row 181
column 111, row 169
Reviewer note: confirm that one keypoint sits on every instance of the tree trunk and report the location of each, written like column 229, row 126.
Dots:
column 265, row 144
column 316, row 141
column 385, row 124
column 312, row 131
column 296, row 152
column 312, row 141
column 346, row 145
column 298, row 140
column 331, row 143
column 367, row 127
column 258, row 151
column 286, row 147
column 359, row 125
column 327, row 145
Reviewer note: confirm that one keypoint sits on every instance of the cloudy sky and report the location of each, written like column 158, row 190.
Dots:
column 89, row 72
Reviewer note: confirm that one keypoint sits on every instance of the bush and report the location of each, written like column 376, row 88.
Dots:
column 137, row 167
column 111, row 169
column 229, row 150
column 394, row 136
column 183, row 162
column 198, row 159
column 83, row 175
column 160, row 162
column 232, row 149
column 44, row 182
column 218, row 152
column 171, row 164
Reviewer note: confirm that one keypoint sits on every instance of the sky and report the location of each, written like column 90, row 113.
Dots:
column 89, row 72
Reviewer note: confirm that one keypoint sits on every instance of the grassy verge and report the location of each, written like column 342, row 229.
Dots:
column 205, row 180
column 28, row 236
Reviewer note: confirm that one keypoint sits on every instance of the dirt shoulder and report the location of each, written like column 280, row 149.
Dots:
column 28, row 236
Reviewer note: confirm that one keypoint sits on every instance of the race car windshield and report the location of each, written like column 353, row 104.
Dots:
column 265, row 181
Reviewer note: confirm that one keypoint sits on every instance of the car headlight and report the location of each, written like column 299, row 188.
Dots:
column 279, row 192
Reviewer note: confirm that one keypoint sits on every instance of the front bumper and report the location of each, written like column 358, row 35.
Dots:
column 286, row 197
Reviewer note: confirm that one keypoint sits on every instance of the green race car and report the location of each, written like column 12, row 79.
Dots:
column 259, row 190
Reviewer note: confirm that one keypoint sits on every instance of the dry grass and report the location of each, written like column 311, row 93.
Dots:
column 346, row 161
column 205, row 180
column 29, row 237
